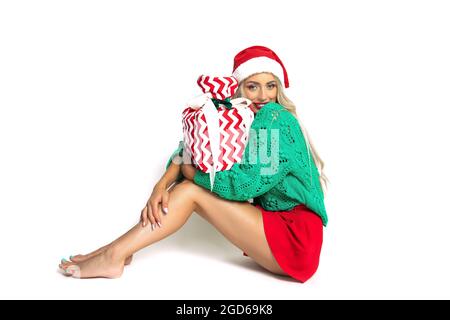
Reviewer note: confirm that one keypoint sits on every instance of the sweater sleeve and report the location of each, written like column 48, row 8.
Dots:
column 266, row 162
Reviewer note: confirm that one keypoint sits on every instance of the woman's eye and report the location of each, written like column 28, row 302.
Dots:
column 271, row 86
column 252, row 88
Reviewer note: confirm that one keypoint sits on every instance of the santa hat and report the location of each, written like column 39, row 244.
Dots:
column 258, row 59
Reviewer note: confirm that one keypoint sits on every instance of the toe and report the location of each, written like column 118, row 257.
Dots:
column 76, row 257
column 73, row 270
column 65, row 262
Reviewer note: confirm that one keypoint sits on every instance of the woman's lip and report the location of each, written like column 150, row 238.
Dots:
column 259, row 105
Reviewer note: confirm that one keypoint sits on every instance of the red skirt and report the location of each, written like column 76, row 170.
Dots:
column 295, row 239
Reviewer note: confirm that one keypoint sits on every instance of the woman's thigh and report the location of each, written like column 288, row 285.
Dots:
column 240, row 222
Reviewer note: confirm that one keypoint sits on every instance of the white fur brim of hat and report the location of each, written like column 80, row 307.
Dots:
column 258, row 65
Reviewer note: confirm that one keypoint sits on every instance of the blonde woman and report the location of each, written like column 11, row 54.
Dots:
column 281, row 229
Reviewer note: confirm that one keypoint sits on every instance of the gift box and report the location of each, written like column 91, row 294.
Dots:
column 215, row 128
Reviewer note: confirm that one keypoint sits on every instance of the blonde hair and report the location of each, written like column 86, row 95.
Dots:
column 283, row 100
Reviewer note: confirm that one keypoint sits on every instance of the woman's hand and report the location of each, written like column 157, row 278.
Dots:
column 188, row 171
column 152, row 210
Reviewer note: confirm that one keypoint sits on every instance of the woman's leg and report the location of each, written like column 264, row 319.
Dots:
column 240, row 222
column 109, row 262
column 83, row 257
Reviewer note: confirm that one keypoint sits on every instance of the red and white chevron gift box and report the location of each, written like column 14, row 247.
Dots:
column 215, row 137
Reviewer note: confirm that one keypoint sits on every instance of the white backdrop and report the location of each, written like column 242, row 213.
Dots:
column 90, row 100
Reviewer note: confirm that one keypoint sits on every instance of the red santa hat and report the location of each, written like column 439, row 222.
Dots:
column 258, row 59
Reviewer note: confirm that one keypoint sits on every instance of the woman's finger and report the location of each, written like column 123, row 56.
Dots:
column 165, row 202
column 144, row 216
column 150, row 215
column 156, row 212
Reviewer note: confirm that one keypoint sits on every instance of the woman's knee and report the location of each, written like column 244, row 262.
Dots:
column 188, row 187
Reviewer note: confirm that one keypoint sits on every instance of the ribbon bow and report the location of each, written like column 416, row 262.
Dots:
column 226, row 103
column 210, row 106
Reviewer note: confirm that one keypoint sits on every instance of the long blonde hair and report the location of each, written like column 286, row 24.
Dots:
column 283, row 100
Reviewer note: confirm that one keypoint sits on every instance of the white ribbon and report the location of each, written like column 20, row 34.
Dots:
column 212, row 120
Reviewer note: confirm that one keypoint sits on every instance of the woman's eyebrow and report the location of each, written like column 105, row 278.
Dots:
column 256, row 82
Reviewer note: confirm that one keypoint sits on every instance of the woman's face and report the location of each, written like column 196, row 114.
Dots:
column 260, row 88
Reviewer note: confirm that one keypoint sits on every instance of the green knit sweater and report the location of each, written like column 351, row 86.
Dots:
column 277, row 180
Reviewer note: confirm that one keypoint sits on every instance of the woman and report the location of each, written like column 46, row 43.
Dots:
column 281, row 230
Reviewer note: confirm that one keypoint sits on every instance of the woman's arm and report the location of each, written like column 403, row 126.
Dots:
column 159, row 199
column 277, row 132
column 171, row 174
column 188, row 171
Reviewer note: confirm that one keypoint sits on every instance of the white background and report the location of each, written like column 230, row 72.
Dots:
column 90, row 99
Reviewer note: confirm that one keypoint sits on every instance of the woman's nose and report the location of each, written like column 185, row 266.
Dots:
column 262, row 95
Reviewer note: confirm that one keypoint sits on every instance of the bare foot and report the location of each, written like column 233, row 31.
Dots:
column 65, row 263
column 102, row 265
column 83, row 257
